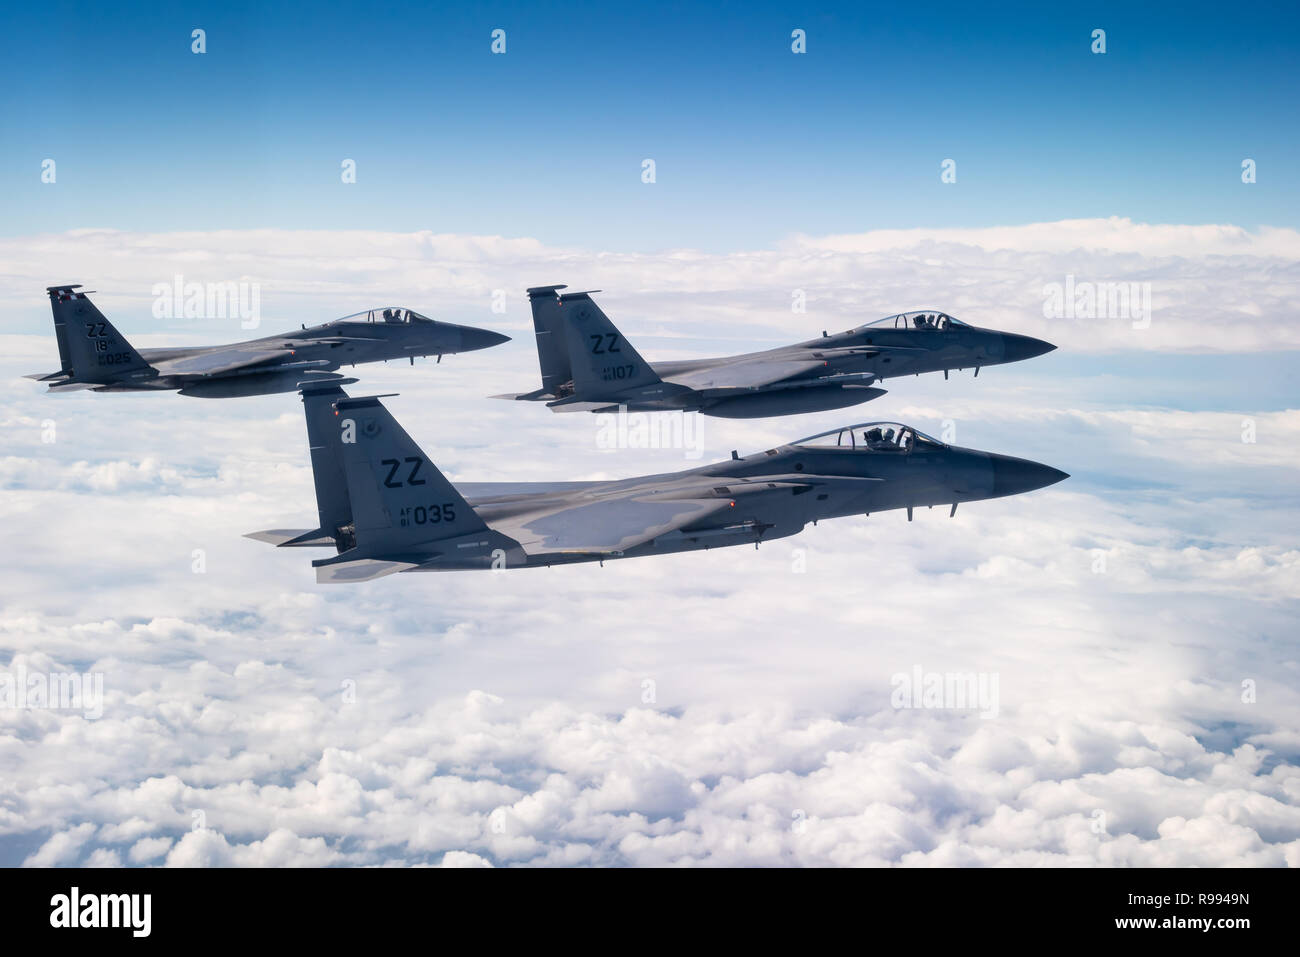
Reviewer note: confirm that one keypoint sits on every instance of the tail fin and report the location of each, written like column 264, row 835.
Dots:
column 333, row 505
column 60, row 328
column 603, row 361
column 398, row 498
column 332, row 502
column 89, row 347
column 382, row 502
column 552, row 345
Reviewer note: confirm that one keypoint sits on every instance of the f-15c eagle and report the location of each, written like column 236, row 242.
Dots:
column 384, row 507
column 94, row 355
column 588, row 366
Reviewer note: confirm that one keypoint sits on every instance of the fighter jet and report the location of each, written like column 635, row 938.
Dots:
column 384, row 507
column 588, row 366
column 94, row 355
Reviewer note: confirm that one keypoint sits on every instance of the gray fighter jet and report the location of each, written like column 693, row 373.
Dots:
column 94, row 355
column 588, row 366
column 384, row 507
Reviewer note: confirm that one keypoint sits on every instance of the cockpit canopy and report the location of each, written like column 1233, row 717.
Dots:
column 887, row 437
column 386, row 314
column 925, row 319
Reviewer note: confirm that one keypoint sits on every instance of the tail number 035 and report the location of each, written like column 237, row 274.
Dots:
column 443, row 514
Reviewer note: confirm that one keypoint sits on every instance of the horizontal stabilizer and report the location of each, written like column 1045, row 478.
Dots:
column 357, row 570
column 535, row 396
column 571, row 405
column 320, row 386
column 49, row 376
column 293, row 537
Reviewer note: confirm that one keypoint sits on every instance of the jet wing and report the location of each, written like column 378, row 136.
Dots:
column 480, row 493
column 220, row 361
column 837, row 352
column 746, row 373
column 331, row 341
column 606, row 526
column 756, row 372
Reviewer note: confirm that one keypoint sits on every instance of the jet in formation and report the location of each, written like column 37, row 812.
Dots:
column 588, row 366
column 384, row 506
column 94, row 355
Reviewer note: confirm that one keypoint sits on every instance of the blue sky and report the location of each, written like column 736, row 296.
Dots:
column 751, row 142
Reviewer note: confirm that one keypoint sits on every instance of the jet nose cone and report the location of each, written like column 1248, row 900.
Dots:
column 1011, row 476
column 472, row 338
column 1016, row 347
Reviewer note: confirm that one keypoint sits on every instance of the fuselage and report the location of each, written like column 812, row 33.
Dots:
column 848, row 364
column 773, row 494
column 270, row 364
column 347, row 343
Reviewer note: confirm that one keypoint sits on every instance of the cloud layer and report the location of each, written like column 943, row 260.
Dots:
column 1213, row 288
column 731, row 707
